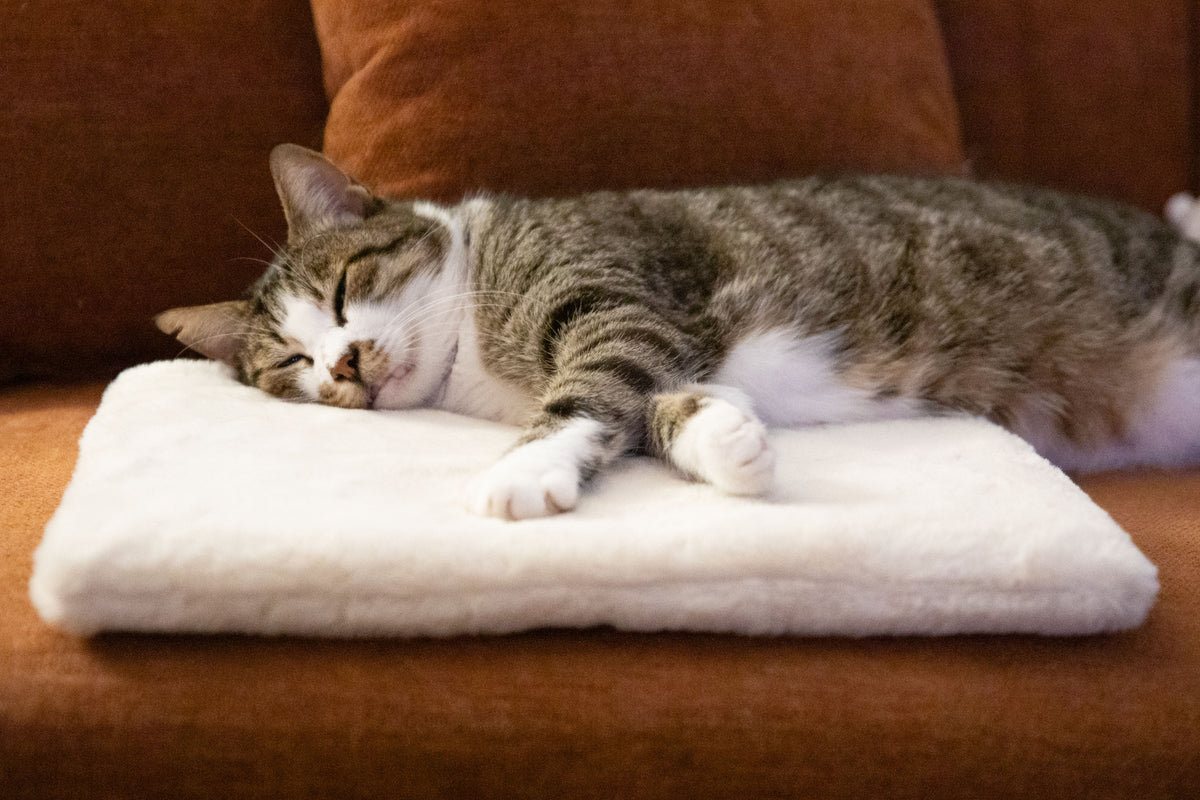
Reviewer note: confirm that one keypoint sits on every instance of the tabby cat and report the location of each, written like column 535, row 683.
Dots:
column 679, row 323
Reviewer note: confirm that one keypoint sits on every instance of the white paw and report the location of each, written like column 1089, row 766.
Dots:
column 537, row 479
column 728, row 448
column 523, row 491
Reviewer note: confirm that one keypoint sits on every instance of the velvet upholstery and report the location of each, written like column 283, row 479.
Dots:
column 1096, row 97
column 440, row 99
column 135, row 140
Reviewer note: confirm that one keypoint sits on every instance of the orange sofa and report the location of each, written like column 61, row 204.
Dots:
column 135, row 138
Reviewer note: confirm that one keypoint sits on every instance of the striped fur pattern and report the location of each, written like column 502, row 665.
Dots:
column 678, row 323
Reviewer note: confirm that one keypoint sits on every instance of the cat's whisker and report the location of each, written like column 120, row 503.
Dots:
column 193, row 345
column 430, row 311
column 407, row 315
column 426, row 314
column 253, row 260
column 274, row 247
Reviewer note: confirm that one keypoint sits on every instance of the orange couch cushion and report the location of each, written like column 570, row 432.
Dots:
column 560, row 714
column 542, row 97
column 135, row 138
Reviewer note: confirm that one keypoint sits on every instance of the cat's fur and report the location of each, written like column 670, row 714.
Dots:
column 673, row 322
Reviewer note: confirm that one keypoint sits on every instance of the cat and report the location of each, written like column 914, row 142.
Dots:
column 681, row 323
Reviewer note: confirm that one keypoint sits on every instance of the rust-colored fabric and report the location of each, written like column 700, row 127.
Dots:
column 1097, row 97
column 592, row 713
column 112, row 116
column 544, row 97
column 135, row 139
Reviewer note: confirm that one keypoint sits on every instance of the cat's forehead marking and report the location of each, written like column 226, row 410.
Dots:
column 303, row 320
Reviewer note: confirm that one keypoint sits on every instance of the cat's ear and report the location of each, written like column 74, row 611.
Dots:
column 216, row 330
column 316, row 194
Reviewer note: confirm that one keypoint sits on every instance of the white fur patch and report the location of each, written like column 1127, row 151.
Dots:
column 1166, row 433
column 727, row 447
column 1183, row 212
column 472, row 390
column 791, row 381
column 424, row 326
column 437, row 213
column 419, row 328
column 308, row 325
column 537, row 479
column 469, row 388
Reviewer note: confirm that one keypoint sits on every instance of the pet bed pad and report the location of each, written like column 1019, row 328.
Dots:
column 201, row 505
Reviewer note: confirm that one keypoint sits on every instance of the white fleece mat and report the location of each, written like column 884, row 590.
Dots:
column 198, row 504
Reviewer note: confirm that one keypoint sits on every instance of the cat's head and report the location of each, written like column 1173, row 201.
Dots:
column 359, row 310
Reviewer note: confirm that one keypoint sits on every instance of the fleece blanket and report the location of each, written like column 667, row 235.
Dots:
column 198, row 504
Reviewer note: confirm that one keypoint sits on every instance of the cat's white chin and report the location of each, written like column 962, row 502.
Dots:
column 397, row 390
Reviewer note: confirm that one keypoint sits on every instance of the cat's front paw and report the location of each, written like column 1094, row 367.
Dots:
column 523, row 491
column 539, row 478
column 728, row 448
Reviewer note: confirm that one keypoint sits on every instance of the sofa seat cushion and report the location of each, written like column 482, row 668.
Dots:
column 591, row 713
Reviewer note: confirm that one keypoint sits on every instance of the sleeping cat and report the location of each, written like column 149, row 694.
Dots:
column 679, row 323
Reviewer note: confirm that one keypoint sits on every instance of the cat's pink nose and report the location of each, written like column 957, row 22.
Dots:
column 346, row 369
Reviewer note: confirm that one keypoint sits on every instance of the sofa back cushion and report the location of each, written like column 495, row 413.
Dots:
column 1097, row 97
column 541, row 97
column 135, row 138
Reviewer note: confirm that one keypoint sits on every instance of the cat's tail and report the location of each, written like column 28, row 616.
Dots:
column 1183, row 211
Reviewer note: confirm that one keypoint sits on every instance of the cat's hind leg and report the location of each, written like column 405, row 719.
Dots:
column 710, row 433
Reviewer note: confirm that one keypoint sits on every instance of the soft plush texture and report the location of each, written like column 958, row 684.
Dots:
column 199, row 504
column 437, row 99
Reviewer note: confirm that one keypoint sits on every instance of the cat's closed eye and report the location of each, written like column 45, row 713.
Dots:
column 294, row 359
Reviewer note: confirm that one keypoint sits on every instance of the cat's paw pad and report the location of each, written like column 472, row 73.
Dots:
column 523, row 491
column 728, row 448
